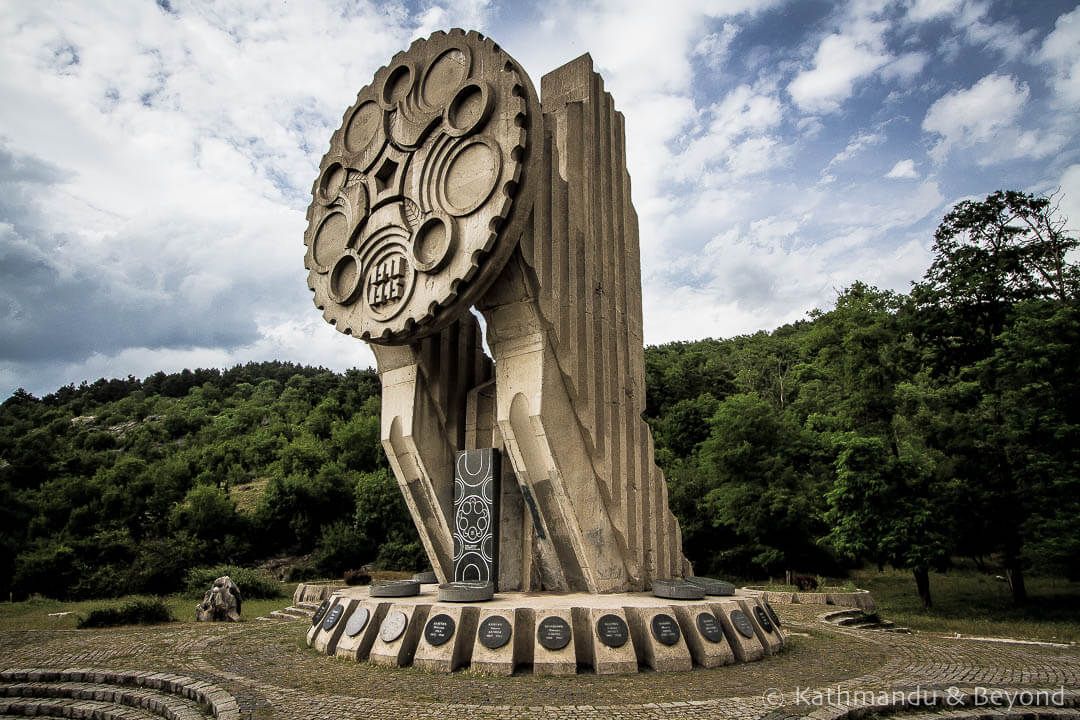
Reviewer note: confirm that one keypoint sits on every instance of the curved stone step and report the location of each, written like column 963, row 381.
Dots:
column 169, row 694
column 62, row 708
column 154, row 701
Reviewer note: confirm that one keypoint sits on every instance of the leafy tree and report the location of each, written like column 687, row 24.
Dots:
column 997, row 261
column 764, row 488
column 883, row 507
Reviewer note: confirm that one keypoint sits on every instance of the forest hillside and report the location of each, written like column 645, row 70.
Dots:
column 895, row 429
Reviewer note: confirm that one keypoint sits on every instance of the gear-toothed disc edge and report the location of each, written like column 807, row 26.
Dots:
column 507, row 221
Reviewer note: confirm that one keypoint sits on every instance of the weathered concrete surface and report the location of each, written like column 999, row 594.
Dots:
column 450, row 185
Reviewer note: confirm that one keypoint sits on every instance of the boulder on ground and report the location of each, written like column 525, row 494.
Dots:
column 221, row 602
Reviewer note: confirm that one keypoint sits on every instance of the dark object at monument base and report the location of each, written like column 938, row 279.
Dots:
column 712, row 586
column 466, row 592
column 763, row 619
column 665, row 629
column 395, row 588
column 494, row 632
column 709, row 628
column 742, row 623
column 333, row 616
column 772, row 614
column 553, row 633
column 612, row 630
column 676, row 589
column 439, row 629
column 320, row 612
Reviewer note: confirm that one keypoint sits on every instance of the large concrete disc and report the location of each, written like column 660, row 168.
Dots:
column 425, row 190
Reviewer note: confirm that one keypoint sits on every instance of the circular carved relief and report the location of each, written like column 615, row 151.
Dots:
column 413, row 214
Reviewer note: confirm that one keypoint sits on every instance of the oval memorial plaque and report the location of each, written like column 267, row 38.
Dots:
column 357, row 622
column 612, row 631
column 772, row 614
column 742, row 623
column 318, row 616
column 439, row 629
column 393, row 626
column 665, row 629
column 709, row 627
column 333, row 616
column 494, row 632
column 763, row 618
column 553, row 633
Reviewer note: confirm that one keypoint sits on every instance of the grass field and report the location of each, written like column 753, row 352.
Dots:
column 965, row 601
column 974, row 603
column 40, row 613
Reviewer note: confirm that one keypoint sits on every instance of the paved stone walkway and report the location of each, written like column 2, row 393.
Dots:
column 823, row 673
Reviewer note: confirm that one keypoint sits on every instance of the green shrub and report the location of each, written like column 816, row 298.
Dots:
column 252, row 583
column 341, row 547
column 398, row 555
column 302, row 573
column 140, row 611
column 357, row 577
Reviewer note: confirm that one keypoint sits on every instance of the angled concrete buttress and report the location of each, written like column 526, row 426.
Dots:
column 449, row 190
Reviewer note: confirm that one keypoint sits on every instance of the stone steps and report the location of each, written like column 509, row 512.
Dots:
column 62, row 708
column 293, row 613
column 112, row 695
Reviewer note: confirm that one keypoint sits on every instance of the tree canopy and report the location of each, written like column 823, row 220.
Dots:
column 898, row 429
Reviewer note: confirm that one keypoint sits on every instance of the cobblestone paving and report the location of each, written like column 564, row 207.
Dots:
column 273, row 675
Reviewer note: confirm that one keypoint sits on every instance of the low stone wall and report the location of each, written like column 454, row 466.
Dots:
column 861, row 599
column 314, row 592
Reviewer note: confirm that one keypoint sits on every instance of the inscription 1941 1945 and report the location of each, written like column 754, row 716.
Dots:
column 450, row 186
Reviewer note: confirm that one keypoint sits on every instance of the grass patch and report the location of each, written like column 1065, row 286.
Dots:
column 973, row 603
column 832, row 587
column 247, row 495
column 137, row 611
column 40, row 613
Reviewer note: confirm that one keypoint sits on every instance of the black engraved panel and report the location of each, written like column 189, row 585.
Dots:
column 332, row 617
column 772, row 614
column 476, row 515
column 709, row 627
column 318, row 616
column 665, row 629
column 612, row 630
column 763, row 619
column 553, row 633
column 494, row 632
column 439, row 629
column 742, row 623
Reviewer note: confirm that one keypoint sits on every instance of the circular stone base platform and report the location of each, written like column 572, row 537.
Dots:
column 546, row 633
column 861, row 599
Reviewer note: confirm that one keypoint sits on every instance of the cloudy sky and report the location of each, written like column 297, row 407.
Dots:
column 156, row 159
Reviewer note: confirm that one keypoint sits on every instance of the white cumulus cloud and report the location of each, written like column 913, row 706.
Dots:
column 903, row 170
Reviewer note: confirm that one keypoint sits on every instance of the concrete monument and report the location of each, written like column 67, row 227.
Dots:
column 450, row 187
